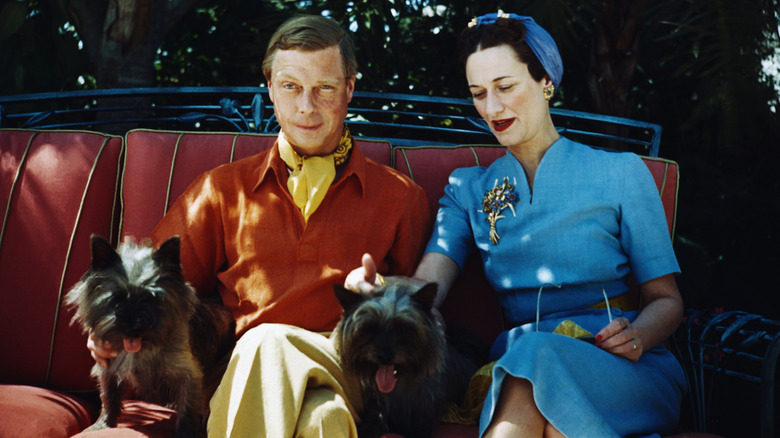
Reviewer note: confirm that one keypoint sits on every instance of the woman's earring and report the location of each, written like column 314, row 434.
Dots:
column 548, row 92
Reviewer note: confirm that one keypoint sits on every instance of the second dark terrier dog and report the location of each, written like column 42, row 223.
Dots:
column 391, row 343
column 138, row 301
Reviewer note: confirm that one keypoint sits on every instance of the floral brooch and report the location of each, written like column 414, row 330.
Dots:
column 495, row 201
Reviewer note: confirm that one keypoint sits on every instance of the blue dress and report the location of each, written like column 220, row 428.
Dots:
column 594, row 217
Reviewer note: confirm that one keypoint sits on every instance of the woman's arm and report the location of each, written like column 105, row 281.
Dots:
column 661, row 314
column 440, row 269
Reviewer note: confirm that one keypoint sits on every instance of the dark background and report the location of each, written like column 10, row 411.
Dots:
column 692, row 66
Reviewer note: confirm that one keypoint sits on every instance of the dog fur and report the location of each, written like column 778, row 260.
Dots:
column 137, row 300
column 391, row 343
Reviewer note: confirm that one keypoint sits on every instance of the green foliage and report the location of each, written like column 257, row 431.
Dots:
column 218, row 44
column 39, row 50
column 709, row 53
column 701, row 78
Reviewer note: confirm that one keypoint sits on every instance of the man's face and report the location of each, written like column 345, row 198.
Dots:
column 310, row 96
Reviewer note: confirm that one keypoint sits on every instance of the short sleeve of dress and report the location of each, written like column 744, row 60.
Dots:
column 644, row 231
column 452, row 235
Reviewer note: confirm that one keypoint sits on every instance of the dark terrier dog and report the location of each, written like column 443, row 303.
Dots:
column 391, row 342
column 137, row 300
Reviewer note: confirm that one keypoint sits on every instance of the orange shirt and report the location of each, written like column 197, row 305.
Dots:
column 243, row 236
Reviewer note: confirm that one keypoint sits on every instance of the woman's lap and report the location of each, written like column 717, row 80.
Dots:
column 582, row 389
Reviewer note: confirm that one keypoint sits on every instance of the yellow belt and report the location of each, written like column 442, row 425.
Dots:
column 623, row 302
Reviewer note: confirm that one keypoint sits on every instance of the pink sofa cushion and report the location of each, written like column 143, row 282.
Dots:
column 56, row 189
column 139, row 420
column 430, row 167
column 667, row 176
column 160, row 165
column 27, row 411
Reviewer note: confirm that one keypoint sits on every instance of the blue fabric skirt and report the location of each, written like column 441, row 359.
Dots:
column 583, row 390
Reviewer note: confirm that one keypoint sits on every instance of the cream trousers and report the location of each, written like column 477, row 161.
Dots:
column 284, row 381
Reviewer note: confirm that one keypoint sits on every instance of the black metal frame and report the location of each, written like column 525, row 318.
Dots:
column 403, row 119
column 716, row 346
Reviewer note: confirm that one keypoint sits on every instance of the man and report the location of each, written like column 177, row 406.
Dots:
column 272, row 233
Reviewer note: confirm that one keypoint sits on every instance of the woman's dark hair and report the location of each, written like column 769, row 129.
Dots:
column 504, row 31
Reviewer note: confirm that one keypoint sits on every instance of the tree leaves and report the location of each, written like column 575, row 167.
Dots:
column 12, row 18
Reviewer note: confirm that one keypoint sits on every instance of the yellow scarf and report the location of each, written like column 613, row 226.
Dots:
column 311, row 176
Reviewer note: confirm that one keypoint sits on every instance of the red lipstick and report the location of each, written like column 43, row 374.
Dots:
column 502, row 125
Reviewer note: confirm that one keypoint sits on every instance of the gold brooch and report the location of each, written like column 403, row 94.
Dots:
column 495, row 201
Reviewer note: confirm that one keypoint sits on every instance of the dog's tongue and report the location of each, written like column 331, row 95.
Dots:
column 132, row 345
column 385, row 378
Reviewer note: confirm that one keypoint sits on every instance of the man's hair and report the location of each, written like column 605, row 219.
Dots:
column 310, row 33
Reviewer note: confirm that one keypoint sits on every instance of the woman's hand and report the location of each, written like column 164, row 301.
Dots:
column 661, row 313
column 621, row 339
column 102, row 352
column 363, row 279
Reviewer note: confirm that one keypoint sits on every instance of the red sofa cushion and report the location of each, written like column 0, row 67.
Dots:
column 56, row 189
column 430, row 167
column 667, row 178
column 27, row 411
column 139, row 420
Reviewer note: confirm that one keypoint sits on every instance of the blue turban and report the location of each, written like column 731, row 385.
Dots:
column 541, row 43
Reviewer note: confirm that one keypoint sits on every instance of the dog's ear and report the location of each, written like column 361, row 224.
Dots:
column 167, row 255
column 103, row 255
column 426, row 295
column 347, row 298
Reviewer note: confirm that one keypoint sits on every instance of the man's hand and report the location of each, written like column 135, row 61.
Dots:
column 102, row 352
column 364, row 278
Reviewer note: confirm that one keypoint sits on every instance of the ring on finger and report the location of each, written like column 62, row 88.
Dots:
column 633, row 344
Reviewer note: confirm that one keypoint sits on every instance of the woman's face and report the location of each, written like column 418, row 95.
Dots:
column 506, row 96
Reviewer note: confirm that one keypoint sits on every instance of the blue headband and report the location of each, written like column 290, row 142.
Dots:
column 541, row 43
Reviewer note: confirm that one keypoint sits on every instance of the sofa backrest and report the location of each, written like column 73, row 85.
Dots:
column 56, row 189
column 160, row 165
column 471, row 303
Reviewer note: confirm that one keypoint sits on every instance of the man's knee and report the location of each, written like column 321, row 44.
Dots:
column 325, row 414
column 264, row 331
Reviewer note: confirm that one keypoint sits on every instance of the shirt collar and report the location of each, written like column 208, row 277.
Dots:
column 273, row 165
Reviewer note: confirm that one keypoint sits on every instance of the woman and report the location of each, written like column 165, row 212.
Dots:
column 559, row 226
